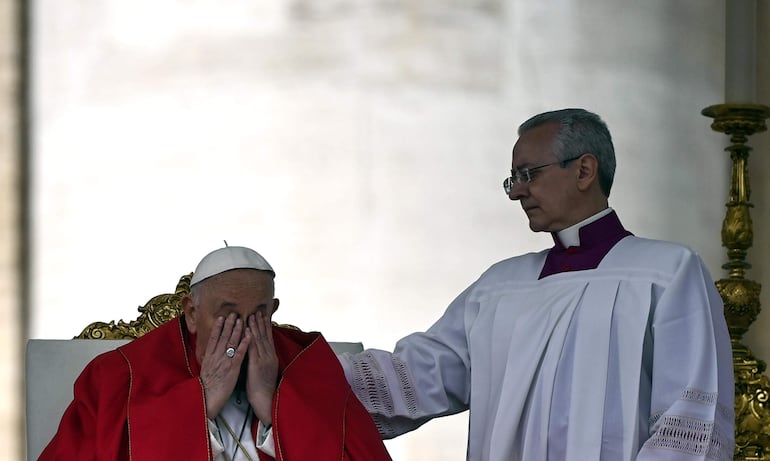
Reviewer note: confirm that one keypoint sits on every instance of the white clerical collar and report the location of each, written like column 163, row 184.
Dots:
column 570, row 237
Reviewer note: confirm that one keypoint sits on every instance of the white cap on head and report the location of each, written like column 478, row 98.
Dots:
column 229, row 258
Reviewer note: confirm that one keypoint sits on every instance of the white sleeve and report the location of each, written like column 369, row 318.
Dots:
column 265, row 441
column 427, row 375
column 692, row 398
column 216, row 445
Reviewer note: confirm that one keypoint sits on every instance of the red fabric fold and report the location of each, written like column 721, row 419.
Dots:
column 145, row 402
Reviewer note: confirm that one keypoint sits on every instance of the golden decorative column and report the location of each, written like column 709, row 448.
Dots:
column 740, row 295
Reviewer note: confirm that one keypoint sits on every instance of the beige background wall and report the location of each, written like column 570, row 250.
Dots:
column 11, row 334
column 360, row 147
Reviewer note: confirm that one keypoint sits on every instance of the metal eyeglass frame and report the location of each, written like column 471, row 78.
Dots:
column 524, row 175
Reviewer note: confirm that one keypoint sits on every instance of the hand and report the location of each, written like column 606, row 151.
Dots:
column 262, row 374
column 219, row 373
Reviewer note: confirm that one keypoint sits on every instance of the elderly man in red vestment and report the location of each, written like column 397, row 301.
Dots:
column 219, row 383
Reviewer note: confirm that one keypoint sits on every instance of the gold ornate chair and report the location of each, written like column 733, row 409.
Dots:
column 53, row 365
column 156, row 312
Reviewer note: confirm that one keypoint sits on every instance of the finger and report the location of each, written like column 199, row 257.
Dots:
column 258, row 327
column 236, row 334
column 264, row 341
column 216, row 330
column 241, row 340
column 227, row 331
column 266, row 328
column 231, row 333
column 247, row 345
column 241, row 348
column 254, row 334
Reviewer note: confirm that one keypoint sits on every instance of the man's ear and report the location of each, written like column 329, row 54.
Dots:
column 276, row 302
column 588, row 171
column 190, row 314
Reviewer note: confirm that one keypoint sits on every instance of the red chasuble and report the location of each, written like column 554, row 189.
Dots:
column 144, row 402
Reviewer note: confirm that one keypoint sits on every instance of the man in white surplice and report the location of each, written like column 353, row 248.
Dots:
column 605, row 347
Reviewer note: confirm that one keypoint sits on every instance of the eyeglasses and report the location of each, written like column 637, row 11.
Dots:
column 525, row 175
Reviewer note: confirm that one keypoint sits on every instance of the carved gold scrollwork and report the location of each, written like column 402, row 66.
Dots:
column 741, row 300
column 752, row 416
column 741, row 296
column 156, row 312
column 736, row 230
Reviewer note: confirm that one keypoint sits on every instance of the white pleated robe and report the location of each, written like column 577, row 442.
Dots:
column 628, row 361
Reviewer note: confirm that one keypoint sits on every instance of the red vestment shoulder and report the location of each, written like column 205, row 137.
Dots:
column 140, row 401
column 316, row 415
column 144, row 401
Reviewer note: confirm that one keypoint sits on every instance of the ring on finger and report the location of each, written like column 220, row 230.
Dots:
column 230, row 352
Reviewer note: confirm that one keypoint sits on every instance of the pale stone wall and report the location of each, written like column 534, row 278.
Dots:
column 360, row 146
column 11, row 404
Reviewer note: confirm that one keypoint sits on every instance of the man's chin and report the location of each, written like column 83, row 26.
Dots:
column 534, row 223
column 535, row 226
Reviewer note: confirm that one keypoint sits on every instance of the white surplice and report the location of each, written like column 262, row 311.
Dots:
column 628, row 361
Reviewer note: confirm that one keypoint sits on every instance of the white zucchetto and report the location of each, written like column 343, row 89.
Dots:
column 229, row 258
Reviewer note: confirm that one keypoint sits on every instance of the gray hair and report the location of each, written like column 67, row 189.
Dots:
column 580, row 132
column 196, row 291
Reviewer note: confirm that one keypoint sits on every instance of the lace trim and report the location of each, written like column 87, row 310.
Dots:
column 371, row 387
column 692, row 436
column 691, row 395
column 720, row 449
column 407, row 389
column 655, row 417
column 695, row 395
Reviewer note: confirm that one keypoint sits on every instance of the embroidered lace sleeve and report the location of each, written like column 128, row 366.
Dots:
column 692, row 394
column 427, row 375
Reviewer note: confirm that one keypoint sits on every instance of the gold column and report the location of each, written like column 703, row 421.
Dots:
column 740, row 295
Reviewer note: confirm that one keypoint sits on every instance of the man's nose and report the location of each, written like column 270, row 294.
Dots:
column 518, row 191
